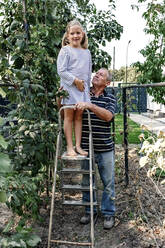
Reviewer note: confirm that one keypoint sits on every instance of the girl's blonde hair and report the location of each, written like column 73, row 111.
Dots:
column 65, row 42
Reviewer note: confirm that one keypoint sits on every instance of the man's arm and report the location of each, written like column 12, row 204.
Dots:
column 101, row 113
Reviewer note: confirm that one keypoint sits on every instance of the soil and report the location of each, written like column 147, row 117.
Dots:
column 140, row 215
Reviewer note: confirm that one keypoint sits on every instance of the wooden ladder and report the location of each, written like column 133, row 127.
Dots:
column 69, row 187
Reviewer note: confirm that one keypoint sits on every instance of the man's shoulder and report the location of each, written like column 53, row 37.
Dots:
column 109, row 95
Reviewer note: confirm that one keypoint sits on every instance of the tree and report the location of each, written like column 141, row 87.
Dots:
column 154, row 53
column 30, row 38
column 119, row 75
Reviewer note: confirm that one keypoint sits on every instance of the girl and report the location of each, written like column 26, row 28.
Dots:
column 74, row 68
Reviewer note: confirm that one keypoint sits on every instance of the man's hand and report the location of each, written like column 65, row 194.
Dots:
column 83, row 105
column 79, row 84
column 101, row 113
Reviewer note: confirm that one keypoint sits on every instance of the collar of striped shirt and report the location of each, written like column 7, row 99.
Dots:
column 92, row 94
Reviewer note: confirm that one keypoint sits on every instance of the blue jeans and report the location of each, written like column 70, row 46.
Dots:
column 105, row 163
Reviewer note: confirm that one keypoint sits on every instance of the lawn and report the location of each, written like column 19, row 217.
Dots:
column 134, row 130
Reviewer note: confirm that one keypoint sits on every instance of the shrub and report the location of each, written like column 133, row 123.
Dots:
column 153, row 151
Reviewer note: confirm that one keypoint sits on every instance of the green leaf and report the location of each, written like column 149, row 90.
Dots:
column 26, row 83
column 22, row 128
column 3, row 143
column 37, row 86
column 8, row 226
column 5, row 165
column 33, row 241
column 22, row 74
column 32, row 135
column 21, row 44
column 14, row 25
column 57, row 40
column 134, row 106
column 20, row 243
column 27, row 132
column 16, row 200
column 3, row 197
column 2, row 93
column 1, row 120
column 5, row 242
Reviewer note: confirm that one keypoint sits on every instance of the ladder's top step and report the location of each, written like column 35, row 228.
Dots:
column 78, row 157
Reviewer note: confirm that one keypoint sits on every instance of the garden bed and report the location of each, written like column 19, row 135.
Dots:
column 140, row 213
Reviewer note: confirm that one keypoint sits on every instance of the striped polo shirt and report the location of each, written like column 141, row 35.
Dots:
column 101, row 130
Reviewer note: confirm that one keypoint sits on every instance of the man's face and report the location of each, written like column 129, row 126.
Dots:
column 100, row 78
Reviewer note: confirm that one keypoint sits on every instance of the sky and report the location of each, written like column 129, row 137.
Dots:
column 133, row 25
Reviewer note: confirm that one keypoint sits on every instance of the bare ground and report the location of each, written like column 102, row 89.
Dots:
column 140, row 215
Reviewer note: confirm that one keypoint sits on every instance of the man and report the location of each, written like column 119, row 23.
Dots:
column 102, row 108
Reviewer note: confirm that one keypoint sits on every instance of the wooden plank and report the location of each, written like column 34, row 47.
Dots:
column 71, row 243
column 74, row 170
column 78, row 203
column 76, row 187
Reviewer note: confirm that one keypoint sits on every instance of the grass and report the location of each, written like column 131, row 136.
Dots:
column 134, row 130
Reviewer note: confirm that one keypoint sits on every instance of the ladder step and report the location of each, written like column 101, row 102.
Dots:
column 77, row 187
column 78, row 203
column 78, row 157
column 74, row 170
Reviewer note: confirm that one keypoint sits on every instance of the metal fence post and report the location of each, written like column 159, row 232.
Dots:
column 125, row 134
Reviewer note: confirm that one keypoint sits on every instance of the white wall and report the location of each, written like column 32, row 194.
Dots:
column 153, row 106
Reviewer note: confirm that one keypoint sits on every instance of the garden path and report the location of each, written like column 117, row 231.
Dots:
column 153, row 124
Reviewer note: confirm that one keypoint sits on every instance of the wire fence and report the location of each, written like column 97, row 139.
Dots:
column 125, row 120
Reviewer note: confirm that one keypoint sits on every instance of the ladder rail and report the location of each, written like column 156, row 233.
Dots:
column 53, row 188
column 54, row 177
column 91, row 178
column 91, row 164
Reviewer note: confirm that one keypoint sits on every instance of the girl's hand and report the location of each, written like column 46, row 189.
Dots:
column 79, row 84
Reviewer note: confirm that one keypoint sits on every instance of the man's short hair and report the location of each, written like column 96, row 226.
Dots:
column 109, row 75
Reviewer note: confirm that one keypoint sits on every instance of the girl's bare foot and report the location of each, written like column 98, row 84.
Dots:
column 71, row 152
column 81, row 151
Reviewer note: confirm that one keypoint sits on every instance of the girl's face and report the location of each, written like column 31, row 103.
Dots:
column 75, row 36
